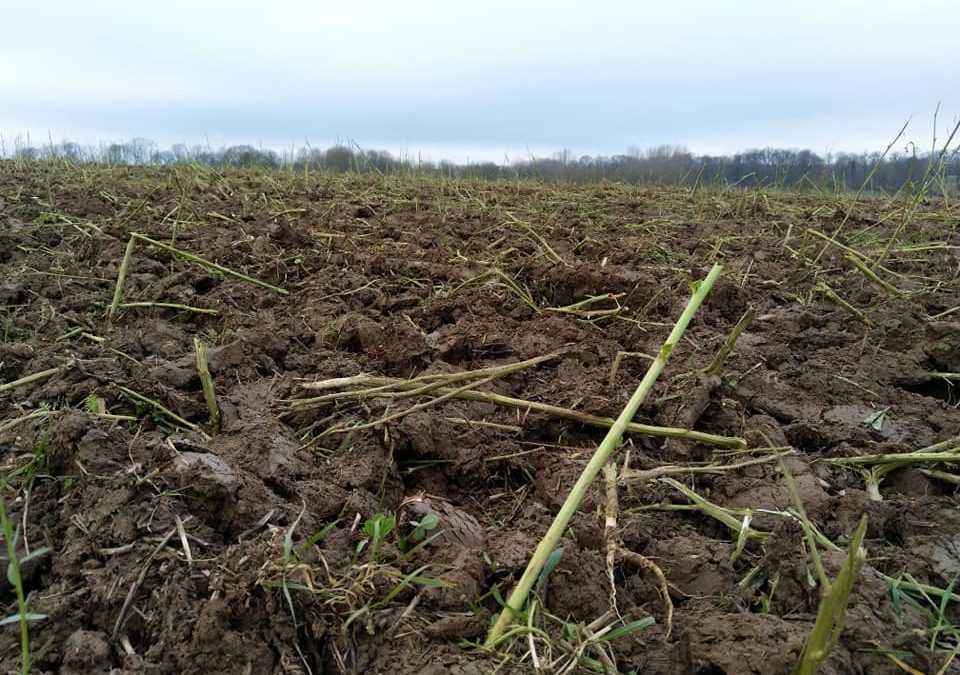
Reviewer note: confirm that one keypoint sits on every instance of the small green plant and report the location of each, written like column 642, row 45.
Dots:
column 876, row 419
column 351, row 594
column 555, row 645
column 37, row 464
column 422, row 526
column 377, row 528
column 14, row 565
column 935, row 610
column 292, row 558
column 94, row 405
column 381, row 527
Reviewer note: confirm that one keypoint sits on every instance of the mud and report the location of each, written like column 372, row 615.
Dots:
column 252, row 551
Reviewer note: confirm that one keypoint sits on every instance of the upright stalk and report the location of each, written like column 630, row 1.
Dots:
column 610, row 442
column 206, row 380
column 834, row 598
column 121, row 277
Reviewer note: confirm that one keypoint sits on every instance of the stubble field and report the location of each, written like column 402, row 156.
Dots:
column 285, row 515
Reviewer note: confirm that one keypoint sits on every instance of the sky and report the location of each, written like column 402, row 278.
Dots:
column 481, row 80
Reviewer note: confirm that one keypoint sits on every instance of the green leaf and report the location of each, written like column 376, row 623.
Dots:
column 431, row 582
column 876, row 419
column 629, row 628
column 288, row 537
column 378, row 526
column 294, row 586
column 548, row 566
column 15, row 618
column 423, row 544
column 945, row 598
column 33, row 555
column 429, row 521
column 896, row 596
column 93, row 404
column 286, row 594
column 356, row 615
column 412, row 578
column 318, row 537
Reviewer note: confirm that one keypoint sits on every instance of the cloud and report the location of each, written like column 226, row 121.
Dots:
column 594, row 77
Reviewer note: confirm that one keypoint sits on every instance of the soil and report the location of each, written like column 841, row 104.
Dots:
column 252, row 550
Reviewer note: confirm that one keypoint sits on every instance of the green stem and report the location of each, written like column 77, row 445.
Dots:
column 612, row 440
column 836, row 299
column 833, row 606
column 716, row 366
column 14, row 574
column 206, row 380
column 121, row 277
column 873, row 278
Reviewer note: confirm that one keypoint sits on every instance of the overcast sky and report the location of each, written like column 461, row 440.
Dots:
column 479, row 79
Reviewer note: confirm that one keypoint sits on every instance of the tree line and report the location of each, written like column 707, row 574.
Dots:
column 665, row 164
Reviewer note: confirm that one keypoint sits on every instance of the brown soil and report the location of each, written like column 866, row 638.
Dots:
column 170, row 550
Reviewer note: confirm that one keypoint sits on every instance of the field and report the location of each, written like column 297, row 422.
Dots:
column 324, row 421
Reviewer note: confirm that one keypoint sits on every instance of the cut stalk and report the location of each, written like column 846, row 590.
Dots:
column 716, row 512
column 167, row 305
column 855, row 253
column 160, row 408
column 121, row 277
column 716, row 367
column 835, row 596
column 209, row 393
column 511, row 284
column 876, row 467
column 941, row 475
column 932, row 166
column 618, row 359
column 540, row 240
column 729, row 518
column 42, row 375
column 36, row 414
column 630, row 476
column 840, row 302
column 612, row 440
column 578, row 309
column 873, row 278
column 203, row 262
column 448, row 394
column 386, row 387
